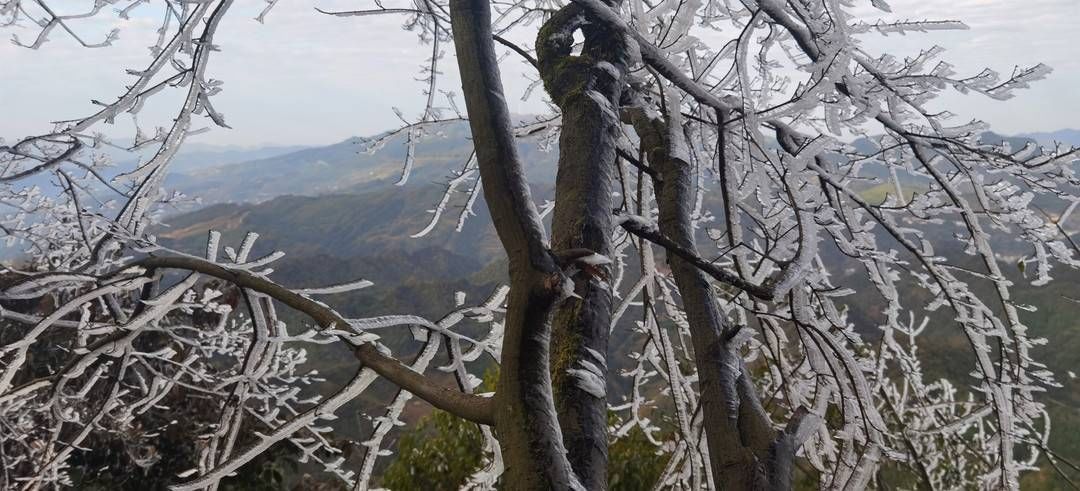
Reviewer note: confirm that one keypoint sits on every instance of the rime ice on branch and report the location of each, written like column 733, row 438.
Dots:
column 735, row 140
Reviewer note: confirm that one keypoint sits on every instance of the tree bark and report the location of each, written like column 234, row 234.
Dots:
column 587, row 89
column 525, row 417
column 739, row 435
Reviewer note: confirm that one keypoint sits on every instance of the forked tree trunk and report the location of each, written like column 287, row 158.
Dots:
column 745, row 451
column 525, row 419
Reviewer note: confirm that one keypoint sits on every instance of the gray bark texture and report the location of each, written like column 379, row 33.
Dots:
column 745, row 452
column 587, row 89
column 525, row 418
column 552, row 431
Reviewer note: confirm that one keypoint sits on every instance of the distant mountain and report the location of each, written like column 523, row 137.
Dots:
column 367, row 234
column 194, row 155
column 1066, row 137
column 368, row 224
column 347, row 167
column 204, row 156
column 1016, row 142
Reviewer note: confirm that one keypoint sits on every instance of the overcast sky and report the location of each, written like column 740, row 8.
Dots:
column 308, row 78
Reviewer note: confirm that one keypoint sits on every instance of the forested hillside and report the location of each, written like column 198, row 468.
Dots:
column 364, row 229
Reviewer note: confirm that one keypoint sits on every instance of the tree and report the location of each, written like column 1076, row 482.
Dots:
column 159, row 445
column 769, row 109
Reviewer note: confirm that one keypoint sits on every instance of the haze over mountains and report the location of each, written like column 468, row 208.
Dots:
column 1065, row 137
column 341, row 201
column 194, row 156
column 338, row 215
column 346, row 167
column 219, row 174
column 340, row 205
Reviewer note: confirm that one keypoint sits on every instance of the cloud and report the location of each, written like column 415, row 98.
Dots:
column 1003, row 34
column 304, row 77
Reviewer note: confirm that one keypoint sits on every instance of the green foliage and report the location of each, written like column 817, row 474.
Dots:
column 439, row 454
column 634, row 463
column 443, row 451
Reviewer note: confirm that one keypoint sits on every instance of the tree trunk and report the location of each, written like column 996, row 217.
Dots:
column 587, row 89
column 525, row 418
column 739, row 435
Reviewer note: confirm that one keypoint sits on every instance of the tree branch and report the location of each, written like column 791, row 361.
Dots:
column 526, row 419
column 640, row 227
column 471, row 407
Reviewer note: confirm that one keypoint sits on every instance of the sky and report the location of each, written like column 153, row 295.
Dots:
column 308, row 78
